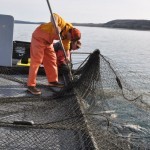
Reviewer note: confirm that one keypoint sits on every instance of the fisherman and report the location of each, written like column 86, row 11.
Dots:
column 42, row 50
column 74, row 45
column 63, row 66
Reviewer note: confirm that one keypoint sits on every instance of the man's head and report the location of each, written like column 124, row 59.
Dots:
column 74, row 45
column 75, row 34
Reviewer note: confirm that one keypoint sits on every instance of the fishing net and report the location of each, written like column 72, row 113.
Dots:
column 99, row 109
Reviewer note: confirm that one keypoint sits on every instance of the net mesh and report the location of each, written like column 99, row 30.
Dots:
column 99, row 109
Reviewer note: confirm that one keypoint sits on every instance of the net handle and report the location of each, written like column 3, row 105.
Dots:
column 50, row 9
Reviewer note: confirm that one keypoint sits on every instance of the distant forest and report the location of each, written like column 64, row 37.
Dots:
column 120, row 23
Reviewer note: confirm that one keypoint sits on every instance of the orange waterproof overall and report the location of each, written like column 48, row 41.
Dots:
column 42, row 50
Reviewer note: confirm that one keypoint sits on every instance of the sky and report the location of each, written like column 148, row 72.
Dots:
column 76, row 11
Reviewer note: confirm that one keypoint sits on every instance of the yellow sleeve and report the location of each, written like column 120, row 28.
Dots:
column 60, row 22
column 63, row 24
column 66, row 44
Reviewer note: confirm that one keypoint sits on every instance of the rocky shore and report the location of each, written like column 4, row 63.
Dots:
column 124, row 24
column 120, row 23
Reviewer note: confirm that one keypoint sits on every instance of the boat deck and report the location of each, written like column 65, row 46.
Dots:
column 13, row 89
column 57, row 123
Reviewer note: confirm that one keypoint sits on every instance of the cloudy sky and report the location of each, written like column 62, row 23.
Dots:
column 81, row 11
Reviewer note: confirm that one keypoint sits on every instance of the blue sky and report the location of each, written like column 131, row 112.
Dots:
column 82, row 11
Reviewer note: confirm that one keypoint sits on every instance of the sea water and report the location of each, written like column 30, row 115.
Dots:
column 128, row 49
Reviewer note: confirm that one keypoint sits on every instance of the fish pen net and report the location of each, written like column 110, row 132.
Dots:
column 98, row 109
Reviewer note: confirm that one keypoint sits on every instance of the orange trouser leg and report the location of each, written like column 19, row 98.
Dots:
column 41, row 51
column 50, row 64
column 36, row 54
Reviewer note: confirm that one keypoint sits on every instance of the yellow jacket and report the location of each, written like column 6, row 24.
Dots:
column 64, row 27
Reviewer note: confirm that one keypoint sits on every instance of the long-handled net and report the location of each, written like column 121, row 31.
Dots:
column 97, row 110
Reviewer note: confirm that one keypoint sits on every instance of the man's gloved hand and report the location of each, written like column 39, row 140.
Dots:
column 65, row 68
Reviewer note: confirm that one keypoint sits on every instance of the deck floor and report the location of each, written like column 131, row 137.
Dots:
column 54, row 134
column 11, row 88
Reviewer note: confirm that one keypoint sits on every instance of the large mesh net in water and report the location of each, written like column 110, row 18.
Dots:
column 97, row 110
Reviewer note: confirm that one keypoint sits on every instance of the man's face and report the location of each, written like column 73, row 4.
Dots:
column 74, row 45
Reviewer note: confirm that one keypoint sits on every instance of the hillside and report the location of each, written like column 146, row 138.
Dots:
column 27, row 22
column 88, row 24
column 124, row 24
column 129, row 24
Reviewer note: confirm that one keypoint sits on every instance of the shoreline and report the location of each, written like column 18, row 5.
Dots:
column 142, row 25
